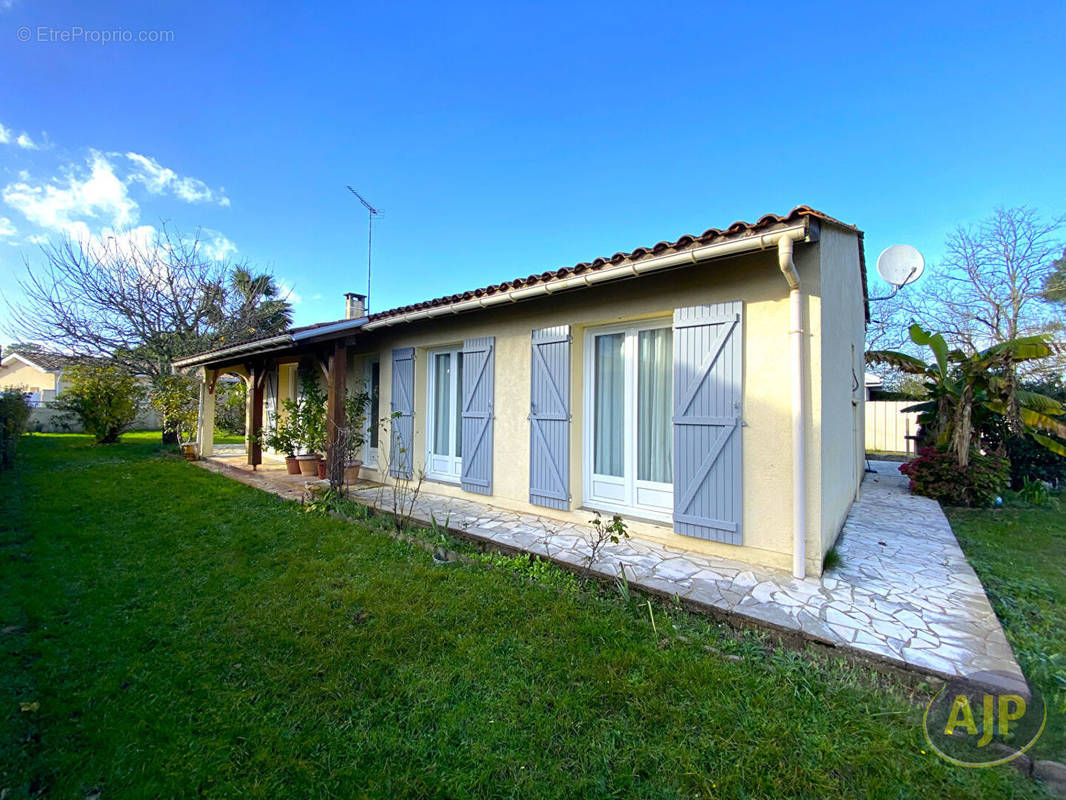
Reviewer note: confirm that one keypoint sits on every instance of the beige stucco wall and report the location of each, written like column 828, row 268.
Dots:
column 755, row 280
column 16, row 374
column 841, row 390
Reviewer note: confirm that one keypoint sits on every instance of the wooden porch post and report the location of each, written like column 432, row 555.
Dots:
column 338, row 381
column 255, row 446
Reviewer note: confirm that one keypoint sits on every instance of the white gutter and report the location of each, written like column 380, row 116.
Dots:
column 748, row 244
column 799, row 416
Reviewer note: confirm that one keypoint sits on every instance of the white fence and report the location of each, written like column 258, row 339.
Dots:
column 45, row 419
column 887, row 426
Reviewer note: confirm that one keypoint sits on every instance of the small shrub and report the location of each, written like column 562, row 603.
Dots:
column 602, row 533
column 106, row 399
column 14, row 415
column 935, row 473
column 176, row 398
column 1037, row 493
column 1030, row 461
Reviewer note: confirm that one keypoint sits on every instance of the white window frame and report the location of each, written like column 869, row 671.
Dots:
column 441, row 467
column 648, row 499
column 370, row 454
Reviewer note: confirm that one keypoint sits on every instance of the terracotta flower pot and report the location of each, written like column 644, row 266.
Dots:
column 321, row 470
column 351, row 471
column 189, row 451
column 292, row 466
column 309, row 463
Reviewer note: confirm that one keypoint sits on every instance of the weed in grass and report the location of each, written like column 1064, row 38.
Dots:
column 621, row 584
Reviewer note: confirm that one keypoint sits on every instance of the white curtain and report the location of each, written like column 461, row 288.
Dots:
column 655, row 402
column 442, row 396
column 459, row 406
column 609, row 430
column 375, row 408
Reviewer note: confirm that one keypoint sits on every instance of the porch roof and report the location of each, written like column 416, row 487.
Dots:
column 563, row 279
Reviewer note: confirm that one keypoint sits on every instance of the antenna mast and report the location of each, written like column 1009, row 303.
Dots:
column 371, row 213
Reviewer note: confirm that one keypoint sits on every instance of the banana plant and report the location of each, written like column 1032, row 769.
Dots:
column 964, row 386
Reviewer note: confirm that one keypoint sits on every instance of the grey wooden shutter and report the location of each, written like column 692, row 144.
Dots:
column 401, row 447
column 477, row 392
column 708, row 373
column 549, row 418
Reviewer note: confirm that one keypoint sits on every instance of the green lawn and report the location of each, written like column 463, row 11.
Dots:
column 227, row 438
column 1020, row 556
column 173, row 633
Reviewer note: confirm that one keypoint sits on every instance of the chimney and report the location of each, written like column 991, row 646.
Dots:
column 354, row 305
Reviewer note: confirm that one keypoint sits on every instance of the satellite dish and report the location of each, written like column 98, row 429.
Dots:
column 900, row 264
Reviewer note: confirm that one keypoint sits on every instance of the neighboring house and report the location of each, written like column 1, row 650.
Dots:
column 705, row 389
column 873, row 382
column 40, row 374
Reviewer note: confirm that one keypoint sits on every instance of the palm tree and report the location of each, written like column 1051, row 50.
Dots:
column 259, row 304
column 963, row 386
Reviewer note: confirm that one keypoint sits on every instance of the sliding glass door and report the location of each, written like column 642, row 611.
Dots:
column 444, row 429
column 629, row 424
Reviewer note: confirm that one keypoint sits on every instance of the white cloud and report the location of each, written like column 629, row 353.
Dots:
column 287, row 292
column 23, row 140
column 215, row 245
column 94, row 202
column 158, row 179
column 64, row 205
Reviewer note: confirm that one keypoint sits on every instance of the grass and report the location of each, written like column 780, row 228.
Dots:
column 1019, row 552
column 221, row 437
column 832, row 559
column 173, row 633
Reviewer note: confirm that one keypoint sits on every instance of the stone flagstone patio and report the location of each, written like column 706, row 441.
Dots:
column 904, row 594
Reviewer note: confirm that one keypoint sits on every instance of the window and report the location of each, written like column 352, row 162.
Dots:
column 373, row 416
column 629, row 401
column 444, row 434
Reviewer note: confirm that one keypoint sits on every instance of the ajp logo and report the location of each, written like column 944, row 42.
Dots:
column 979, row 722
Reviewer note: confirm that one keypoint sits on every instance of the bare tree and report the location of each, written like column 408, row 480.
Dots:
column 989, row 289
column 143, row 303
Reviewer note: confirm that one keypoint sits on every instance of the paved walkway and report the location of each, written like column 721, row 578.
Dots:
column 904, row 594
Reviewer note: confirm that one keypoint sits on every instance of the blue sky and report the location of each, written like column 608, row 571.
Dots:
column 503, row 139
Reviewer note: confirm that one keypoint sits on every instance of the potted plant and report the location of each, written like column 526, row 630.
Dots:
column 353, row 438
column 310, row 421
column 283, row 439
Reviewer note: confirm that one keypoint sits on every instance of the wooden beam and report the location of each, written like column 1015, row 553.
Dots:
column 337, row 382
column 255, row 447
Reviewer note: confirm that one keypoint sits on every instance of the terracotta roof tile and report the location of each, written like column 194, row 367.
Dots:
column 685, row 242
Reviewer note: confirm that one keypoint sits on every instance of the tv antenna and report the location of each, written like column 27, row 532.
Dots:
column 898, row 266
column 371, row 213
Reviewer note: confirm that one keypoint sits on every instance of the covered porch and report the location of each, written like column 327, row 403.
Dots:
column 270, row 369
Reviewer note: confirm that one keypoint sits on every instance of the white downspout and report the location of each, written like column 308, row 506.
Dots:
column 799, row 416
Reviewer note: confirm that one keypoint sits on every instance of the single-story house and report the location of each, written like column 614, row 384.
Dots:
column 38, row 373
column 650, row 383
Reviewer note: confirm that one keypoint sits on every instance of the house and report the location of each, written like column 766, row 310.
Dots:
column 872, row 382
column 647, row 383
column 38, row 373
